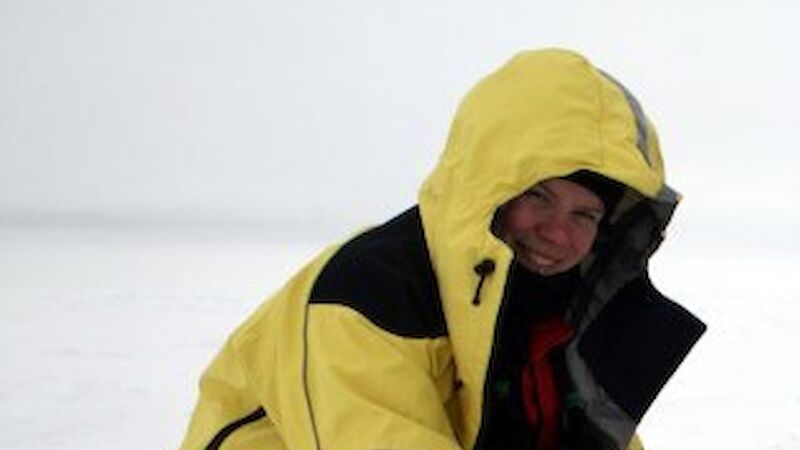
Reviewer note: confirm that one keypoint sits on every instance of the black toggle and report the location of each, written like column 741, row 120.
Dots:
column 484, row 268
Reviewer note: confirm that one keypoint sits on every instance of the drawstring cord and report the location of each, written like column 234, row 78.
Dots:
column 483, row 269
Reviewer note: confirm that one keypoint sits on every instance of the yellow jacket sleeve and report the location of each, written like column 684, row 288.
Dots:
column 370, row 389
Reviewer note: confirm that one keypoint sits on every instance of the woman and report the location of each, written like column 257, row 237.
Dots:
column 510, row 309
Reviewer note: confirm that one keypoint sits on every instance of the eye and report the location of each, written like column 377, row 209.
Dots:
column 589, row 217
column 536, row 193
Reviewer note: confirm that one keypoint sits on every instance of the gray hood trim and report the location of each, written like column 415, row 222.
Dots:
column 638, row 115
column 640, row 234
column 598, row 406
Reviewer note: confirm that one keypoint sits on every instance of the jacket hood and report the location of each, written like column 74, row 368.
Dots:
column 543, row 114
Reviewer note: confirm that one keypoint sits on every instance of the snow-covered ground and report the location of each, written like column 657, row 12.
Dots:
column 103, row 334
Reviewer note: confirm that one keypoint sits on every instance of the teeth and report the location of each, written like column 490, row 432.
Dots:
column 538, row 259
column 543, row 261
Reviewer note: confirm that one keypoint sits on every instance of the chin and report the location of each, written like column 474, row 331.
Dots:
column 544, row 271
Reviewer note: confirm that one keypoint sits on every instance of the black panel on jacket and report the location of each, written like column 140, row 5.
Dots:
column 386, row 275
column 636, row 343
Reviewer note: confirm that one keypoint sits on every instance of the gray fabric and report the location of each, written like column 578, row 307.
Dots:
column 641, row 238
column 598, row 406
column 638, row 114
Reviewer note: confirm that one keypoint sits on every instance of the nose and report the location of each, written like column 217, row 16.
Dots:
column 555, row 230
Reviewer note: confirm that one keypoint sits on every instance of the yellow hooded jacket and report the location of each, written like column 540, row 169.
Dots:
column 384, row 342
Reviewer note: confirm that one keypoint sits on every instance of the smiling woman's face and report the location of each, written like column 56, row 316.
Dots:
column 552, row 226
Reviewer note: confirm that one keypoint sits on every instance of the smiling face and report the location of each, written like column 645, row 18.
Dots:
column 551, row 227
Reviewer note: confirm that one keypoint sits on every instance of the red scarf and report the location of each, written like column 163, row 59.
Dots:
column 540, row 393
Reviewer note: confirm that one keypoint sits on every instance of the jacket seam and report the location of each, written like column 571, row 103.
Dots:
column 227, row 430
column 305, row 377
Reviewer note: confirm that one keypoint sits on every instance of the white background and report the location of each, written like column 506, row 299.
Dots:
column 164, row 165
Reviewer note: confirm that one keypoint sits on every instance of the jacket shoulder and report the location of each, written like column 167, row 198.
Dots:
column 385, row 274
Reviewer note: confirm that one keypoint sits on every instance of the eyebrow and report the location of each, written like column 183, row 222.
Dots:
column 601, row 210
column 544, row 188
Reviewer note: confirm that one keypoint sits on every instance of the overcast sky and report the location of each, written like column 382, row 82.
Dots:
column 330, row 113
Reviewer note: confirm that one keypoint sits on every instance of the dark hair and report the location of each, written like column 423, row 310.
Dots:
column 609, row 191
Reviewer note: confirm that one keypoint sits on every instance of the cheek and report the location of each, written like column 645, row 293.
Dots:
column 583, row 242
column 518, row 219
column 513, row 226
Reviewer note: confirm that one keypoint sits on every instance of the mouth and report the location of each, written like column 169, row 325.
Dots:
column 540, row 261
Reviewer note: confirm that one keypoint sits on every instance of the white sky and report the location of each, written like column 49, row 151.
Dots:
column 331, row 113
